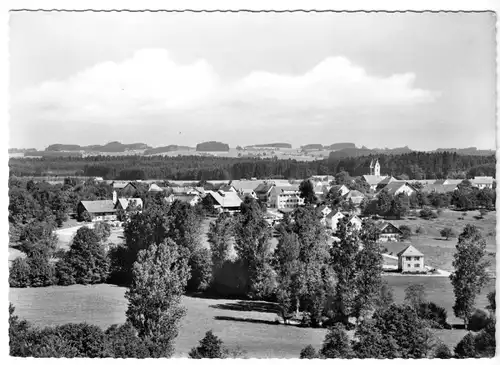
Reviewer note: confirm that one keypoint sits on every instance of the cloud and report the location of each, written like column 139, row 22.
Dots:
column 151, row 83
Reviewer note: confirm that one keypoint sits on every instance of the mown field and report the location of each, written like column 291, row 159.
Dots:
column 247, row 324
column 438, row 251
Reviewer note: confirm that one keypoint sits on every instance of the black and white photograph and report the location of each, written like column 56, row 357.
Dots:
column 254, row 185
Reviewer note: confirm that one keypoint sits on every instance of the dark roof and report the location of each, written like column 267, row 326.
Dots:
column 99, row 206
column 393, row 187
column 263, row 188
column 382, row 225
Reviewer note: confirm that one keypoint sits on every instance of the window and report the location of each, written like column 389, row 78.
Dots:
column 408, row 265
column 416, row 258
column 417, row 265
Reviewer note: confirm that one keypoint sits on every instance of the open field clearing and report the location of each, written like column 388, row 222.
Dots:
column 438, row 251
column 248, row 324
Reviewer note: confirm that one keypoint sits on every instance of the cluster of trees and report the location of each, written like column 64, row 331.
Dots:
column 86, row 261
column 415, row 165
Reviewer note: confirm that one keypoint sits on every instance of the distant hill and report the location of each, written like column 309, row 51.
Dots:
column 212, row 146
column 109, row 147
column 64, row 147
column 272, row 145
column 471, row 151
column 392, row 151
column 340, row 146
column 21, row 150
column 164, row 149
column 363, row 151
column 313, row 146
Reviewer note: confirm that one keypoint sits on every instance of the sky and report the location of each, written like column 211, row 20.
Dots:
column 425, row 81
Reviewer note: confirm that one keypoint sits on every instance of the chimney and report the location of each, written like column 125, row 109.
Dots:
column 115, row 197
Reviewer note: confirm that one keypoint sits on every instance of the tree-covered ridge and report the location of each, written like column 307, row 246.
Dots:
column 416, row 165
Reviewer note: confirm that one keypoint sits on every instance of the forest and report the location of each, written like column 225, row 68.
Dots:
column 415, row 165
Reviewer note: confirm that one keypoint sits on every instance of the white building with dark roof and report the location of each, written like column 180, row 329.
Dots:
column 411, row 260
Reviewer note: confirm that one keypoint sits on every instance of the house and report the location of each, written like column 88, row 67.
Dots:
column 124, row 188
column 439, row 188
column 372, row 180
column 124, row 203
column 411, row 260
column 243, row 193
column 399, row 187
column 384, row 182
column 282, row 197
column 324, row 210
column 191, row 199
column 223, row 201
column 186, row 190
column 99, row 210
column 342, row 189
column 388, row 232
column 228, row 188
column 482, row 182
column 153, row 188
column 355, row 196
column 263, row 191
column 332, row 220
column 241, row 185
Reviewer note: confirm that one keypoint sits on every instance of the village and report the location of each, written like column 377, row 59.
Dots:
column 281, row 197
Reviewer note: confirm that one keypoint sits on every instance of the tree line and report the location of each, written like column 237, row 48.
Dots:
column 414, row 165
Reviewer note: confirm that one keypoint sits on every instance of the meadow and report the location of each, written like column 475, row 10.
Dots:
column 248, row 324
column 439, row 251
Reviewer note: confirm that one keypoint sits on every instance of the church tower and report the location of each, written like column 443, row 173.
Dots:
column 377, row 168
column 372, row 166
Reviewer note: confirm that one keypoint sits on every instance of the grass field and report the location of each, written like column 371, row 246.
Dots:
column 250, row 326
column 438, row 251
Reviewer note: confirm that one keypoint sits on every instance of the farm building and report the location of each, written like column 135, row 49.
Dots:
column 388, row 232
column 399, row 187
column 263, row 191
column 124, row 188
column 482, row 182
column 411, row 260
column 99, row 210
column 191, row 199
column 223, row 201
column 124, row 203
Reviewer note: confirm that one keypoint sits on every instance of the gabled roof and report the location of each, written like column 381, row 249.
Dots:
column 482, row 180
column 246, row 184
column 125, row 202
column 292, row 189
column 99, row 206
column 333, row 213
column 439, row 188
column 410, row 251
column 226, row 200
column 120, row 184
column 263, row 188
column 388, row 180
column 188, row 198
column 354, row 194
column 155, row 188
column 372, row 179
column 382, row 225
column 393, row 187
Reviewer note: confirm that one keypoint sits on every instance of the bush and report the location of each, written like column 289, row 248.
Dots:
column 420, row 230
column 434, row 314
column 485, row 341
column 447, row 233
column 478, row 320
column 443, row 352
column 426, row 213
column 406, row 232
column 308, row 352
column 466, row 348
column 210, row 347
column 19, row 273
column 336, row 344
column 123, row 342
column 201, row 270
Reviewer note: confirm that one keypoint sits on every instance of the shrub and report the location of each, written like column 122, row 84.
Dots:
column 442, row 352
column 485, row 341
column 308, row 352
column 200, row 264
column 19, row 273
column 436, row 315
column 478, row 320
column 448, row 232
column 420, row 230
column 86, row 217
column 123, row 342
column 406, row 230
column 210, row 347
column 336, row 344
column 466, row 348
column 426, row 213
